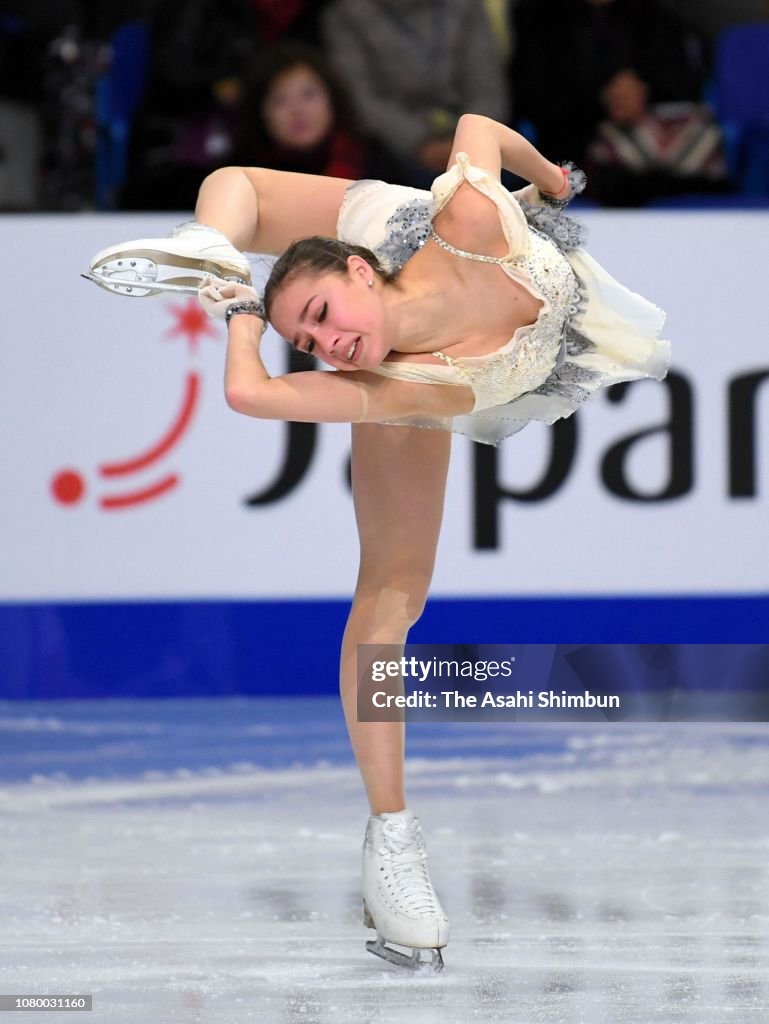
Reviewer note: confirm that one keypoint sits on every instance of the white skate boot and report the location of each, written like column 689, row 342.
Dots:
column 179, row 263
column 398, row 897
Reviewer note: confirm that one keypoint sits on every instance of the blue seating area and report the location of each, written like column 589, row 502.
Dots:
column 741, row 83
column 119, row 90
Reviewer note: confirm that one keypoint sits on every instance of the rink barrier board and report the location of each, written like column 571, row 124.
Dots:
column 51, row 651
column 132, row 481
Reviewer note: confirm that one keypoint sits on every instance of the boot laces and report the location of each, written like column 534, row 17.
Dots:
column 194, row 226
column 185, row 228
column 404, row 849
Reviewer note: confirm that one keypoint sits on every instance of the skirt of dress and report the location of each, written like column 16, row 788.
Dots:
column 612, row 338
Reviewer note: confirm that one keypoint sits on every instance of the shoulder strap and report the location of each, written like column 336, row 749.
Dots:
column 513, row 220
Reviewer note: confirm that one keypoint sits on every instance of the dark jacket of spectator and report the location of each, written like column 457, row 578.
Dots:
column 283, row 20
column 571, row 53
column 183, row 128
column 414, row 66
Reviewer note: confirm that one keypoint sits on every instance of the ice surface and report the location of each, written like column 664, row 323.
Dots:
column 194, row 861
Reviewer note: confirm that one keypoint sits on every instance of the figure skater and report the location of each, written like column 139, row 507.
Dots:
column 468, row 309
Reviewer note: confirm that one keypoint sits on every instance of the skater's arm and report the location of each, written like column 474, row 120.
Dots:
column 469, row 219
column 492, row 145
column 317, row 396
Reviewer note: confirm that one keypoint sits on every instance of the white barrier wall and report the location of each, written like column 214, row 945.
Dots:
column 124, row 474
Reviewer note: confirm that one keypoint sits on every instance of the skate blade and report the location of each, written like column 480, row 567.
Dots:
column 139, row 289
column 413, row 961
column 141, row 273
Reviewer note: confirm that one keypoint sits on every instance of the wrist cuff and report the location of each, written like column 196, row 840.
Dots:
column 250, row 307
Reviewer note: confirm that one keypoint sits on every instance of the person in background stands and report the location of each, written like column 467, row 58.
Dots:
column 713, row 16
column 582, row 62
column 412, row 67
column 183, row 128
column 294, row 115
column 284, row 20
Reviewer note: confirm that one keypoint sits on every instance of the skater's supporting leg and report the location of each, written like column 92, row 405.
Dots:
column 399, row 479
column 261, row 210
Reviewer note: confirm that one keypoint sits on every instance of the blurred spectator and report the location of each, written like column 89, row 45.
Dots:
column 52, row 56
column 712, row 16
column 413, row 67
column 294, row 115
column 184, row 127
column 599, row 71
column 498, row 12
column 642, row 153
column 22, row 49
column 282, row 20
column 70, row 71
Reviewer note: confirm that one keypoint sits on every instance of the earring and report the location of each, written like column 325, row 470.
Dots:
column 371, row 284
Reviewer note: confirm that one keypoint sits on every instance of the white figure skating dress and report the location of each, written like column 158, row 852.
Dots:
column 591, row 331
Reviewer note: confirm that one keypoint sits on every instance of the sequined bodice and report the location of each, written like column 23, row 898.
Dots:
column 517, row 367
column 533, row 261
column 526, row 360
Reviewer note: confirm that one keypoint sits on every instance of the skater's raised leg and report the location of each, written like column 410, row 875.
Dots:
column 261, row 210
column 239, row 209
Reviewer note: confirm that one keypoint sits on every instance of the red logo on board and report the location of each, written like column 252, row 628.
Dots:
column 69, row 485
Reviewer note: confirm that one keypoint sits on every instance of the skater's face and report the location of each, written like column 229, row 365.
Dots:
column 297, row 110
column 336, row 317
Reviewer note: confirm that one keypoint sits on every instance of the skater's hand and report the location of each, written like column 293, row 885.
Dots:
column 216, row 295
